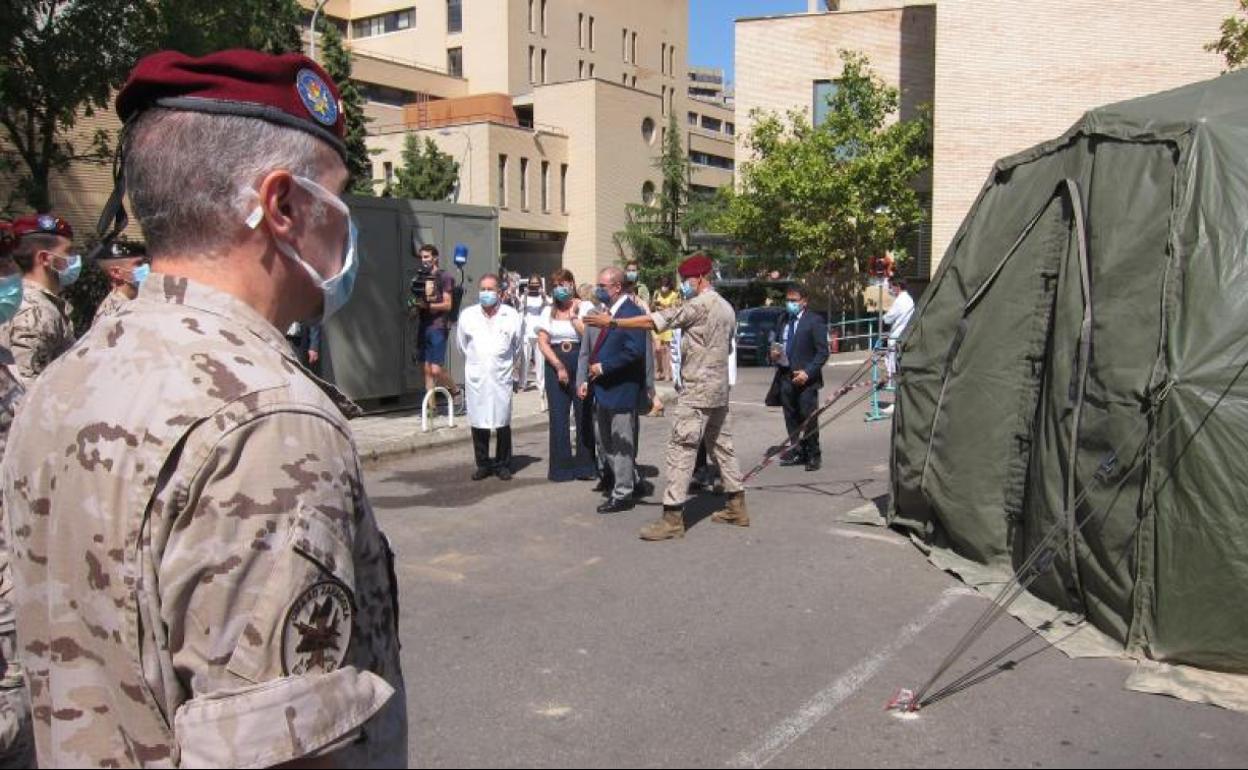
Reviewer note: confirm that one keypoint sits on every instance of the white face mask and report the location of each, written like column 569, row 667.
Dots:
column 335, row 290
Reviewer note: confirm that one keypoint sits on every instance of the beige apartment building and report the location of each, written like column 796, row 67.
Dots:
column 710, row 124
column 555, row 109
column 1001, row 75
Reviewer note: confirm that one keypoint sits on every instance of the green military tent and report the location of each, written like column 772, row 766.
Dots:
column 1076, row 371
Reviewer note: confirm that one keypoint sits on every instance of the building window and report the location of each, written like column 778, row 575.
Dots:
column 824, row 90
column 545, row 186
column 580, row 31
column 396, row 21
column 633, row 54
column 532, row 64
column 591, row 69
column 624, row 79
column 671, row 61
column 455, row 62
column 624, row 45
column 563, row 187
column 532, row 16
column 647, row 193
column 663, row 100
column 454, row 16
column 712, row 124
column 580, row 70
column 730, row 128
column 714, row 161
column 693, row 119
column 524, row 184
column 388, row 173
column 593, row 35
column 543, row 18
column 633, row 81
column 544, row 71
column 647, row 130
column 663, row 58
column 502, row 181
column 671, row 100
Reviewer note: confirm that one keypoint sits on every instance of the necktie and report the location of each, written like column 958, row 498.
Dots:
column 788, row 343
column 602, row 337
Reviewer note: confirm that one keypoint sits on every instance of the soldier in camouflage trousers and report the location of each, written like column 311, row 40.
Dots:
column 200, row 577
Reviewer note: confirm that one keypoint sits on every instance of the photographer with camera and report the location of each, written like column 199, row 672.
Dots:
column 431, row 300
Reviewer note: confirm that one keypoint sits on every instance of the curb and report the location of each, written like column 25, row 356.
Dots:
column 384, row 451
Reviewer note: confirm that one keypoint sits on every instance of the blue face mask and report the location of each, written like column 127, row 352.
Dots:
column 487, row 298
column 10, row 296
column 602, row 295
column 562, row 294
column 335, row 290
column 69, row 275
column 794, row 308
column 631, row 275
column 140, row 274
column 686, row 289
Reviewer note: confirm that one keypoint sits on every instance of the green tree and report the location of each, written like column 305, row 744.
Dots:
column 64, row 59
column 427, row 173
column 337, row 62
column 1233, row 45
column 656, row 232
column 819, row 202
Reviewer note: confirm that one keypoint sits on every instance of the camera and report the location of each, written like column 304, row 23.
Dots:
column 424, row 287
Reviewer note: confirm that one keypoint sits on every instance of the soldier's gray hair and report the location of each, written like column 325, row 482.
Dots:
column 611, row 275
column 191, row 176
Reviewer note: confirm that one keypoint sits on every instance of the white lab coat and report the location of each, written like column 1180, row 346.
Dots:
column 899, row 315
column 490, row 347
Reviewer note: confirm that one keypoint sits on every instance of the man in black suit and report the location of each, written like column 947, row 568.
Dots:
column 800, row 359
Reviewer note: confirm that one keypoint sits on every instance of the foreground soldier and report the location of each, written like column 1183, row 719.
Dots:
column 201, row 580
column 707, row 324
column 17, row 744
column 42, row 329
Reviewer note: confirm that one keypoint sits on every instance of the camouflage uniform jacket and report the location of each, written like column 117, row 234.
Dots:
column 11, row 392
column 707, row 324
column 115, row 301
column 39, row 333
column 201, row 580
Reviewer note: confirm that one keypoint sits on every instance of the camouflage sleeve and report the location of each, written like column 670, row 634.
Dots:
column 682, row 316
column 258, row 591
column 28, row 345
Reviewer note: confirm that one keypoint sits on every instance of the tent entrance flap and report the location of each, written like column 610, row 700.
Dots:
column 994, row 374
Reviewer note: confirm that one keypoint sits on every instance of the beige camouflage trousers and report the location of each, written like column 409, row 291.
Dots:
column 17, row 740
column 691, row 427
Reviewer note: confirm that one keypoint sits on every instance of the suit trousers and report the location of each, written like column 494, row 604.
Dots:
column 481, row 447
column 615, row 440
column 799, row 404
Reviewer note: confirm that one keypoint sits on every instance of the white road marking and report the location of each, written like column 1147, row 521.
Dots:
column 783, row 735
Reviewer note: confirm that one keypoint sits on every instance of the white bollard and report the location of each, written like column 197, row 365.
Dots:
column 424, row 409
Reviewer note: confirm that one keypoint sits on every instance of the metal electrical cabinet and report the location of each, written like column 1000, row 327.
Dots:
column 369, row 347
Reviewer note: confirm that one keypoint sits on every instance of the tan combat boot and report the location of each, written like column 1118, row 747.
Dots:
column 671, row 525
column 735, row 513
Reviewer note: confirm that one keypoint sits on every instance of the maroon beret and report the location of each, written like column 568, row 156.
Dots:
column 7, row 241
column 290, row 89
column 45, row 224
column 696, row 266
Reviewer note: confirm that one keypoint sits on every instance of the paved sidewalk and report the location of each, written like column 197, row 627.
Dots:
column 384, row 436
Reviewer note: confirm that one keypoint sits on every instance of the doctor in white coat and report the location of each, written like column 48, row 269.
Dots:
column 489, row 335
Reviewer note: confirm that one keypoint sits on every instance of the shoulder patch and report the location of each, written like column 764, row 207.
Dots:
column 317, row 632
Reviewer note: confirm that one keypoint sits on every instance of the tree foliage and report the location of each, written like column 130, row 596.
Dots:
column 656, row 233
column 64, row 59
column 821, row 201
column 337, row 62
column 427, row 173
column 1233, row 44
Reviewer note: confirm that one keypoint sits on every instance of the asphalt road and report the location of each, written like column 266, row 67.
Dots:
column 539, row 633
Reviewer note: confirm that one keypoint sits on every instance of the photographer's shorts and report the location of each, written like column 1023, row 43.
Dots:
column 434, row 349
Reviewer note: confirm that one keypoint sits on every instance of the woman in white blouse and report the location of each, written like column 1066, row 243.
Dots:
column 559, row 333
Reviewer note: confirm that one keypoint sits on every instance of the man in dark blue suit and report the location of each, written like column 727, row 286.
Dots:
column 617, row 375
column 804, row 351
